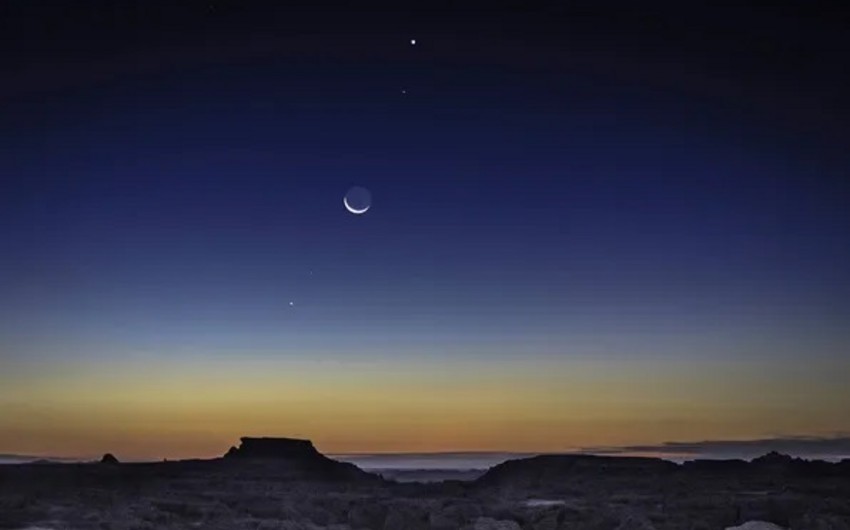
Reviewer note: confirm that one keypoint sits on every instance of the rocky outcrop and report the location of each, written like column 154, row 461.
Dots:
column 774, row 458
column 109, row 458
column 294, row 458
column 275, row 448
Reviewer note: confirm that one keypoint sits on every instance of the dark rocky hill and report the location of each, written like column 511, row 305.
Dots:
column 546, row 469
column 293, row 457
column 275, row 448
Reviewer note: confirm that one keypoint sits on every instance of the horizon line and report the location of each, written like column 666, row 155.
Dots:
column 835, row 446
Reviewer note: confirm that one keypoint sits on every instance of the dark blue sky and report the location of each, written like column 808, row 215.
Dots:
column 496, row 190
column 551, row 194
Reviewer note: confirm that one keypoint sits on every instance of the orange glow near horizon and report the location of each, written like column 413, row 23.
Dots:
column 181, row 409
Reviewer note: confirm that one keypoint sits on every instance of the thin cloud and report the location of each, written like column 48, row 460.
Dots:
column 23, row 459
column 828, row 447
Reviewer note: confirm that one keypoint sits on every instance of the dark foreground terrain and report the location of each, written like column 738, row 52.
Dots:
column 287, row 484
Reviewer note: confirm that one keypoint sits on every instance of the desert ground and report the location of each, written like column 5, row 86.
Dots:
column 284, row 484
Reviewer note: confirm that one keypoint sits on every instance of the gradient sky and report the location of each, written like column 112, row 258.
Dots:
column 587, row 229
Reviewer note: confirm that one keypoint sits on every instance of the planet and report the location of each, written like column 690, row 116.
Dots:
column 357, row 200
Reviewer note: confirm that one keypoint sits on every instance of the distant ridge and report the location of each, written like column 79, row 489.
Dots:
column 554, row 468
column 25, row 459
column 546, row 468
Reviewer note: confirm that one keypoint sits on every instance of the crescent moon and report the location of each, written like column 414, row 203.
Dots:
column 351, row 209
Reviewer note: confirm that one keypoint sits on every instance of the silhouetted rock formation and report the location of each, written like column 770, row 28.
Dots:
column 774, row 461
column 288, row 448
column 109, row 458
column 774, row 458
column 546, row 469
column 297, row 457
column 780, row 465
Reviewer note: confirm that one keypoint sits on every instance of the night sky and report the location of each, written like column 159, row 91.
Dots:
column 599, row 225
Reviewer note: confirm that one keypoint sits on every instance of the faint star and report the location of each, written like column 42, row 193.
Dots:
column 291, row 303
column 413, row 42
